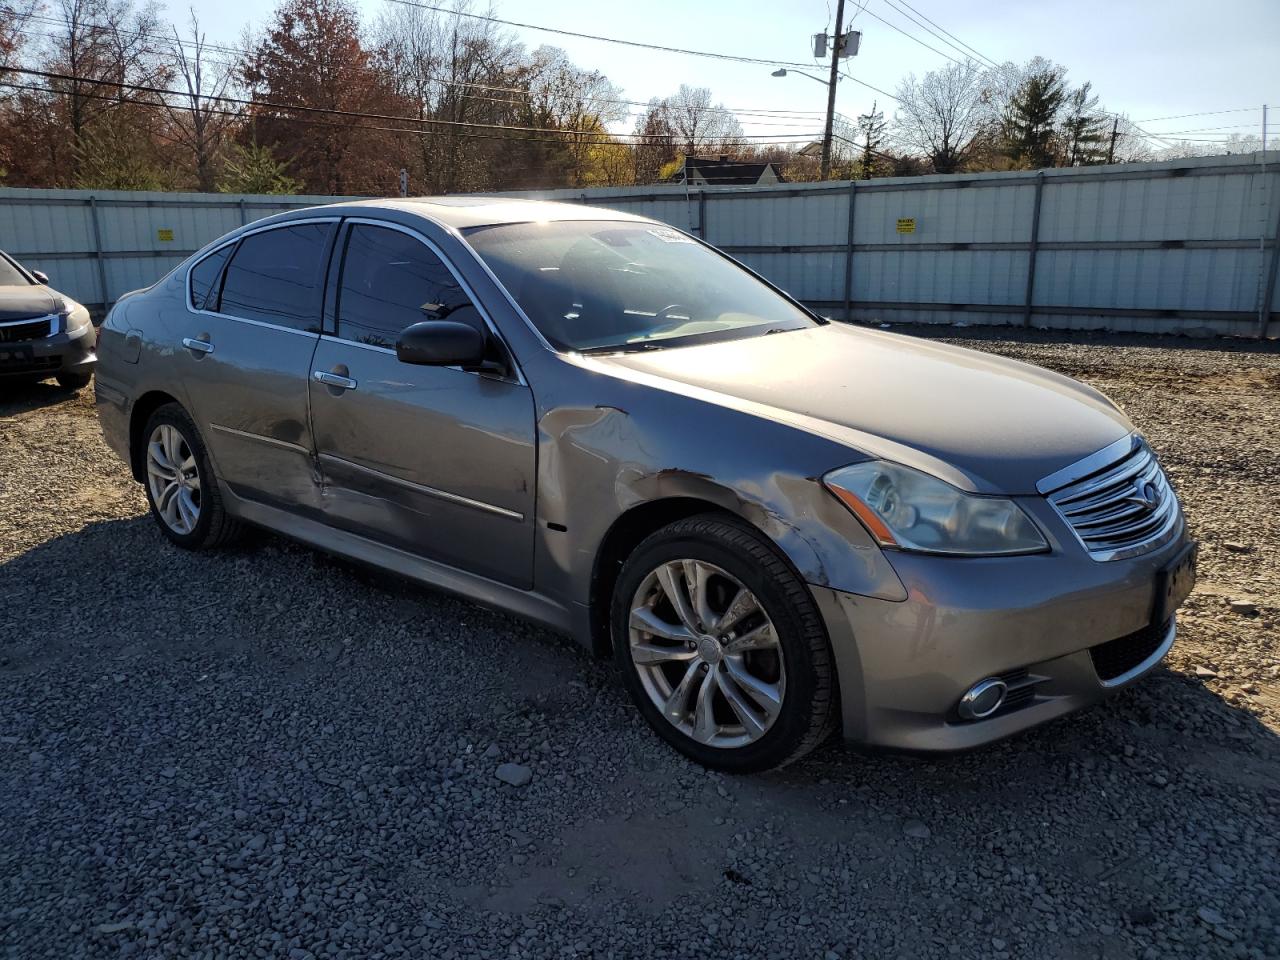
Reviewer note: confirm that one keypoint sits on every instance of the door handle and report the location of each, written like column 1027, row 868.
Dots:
column 199, row 346
column 334, row 380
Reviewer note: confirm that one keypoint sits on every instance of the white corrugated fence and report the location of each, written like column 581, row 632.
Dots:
column 1186, row 246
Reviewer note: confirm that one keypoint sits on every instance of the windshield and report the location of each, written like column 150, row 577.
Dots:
column 594, row 286
column 11, row 276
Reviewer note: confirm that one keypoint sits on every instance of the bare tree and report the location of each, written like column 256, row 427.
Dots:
column 655, row 140
column 699, row 126
column 579, row 102
column 199, row 122
column 943, row 115
column 14, row 16
column 108, row 49
column 456, row 71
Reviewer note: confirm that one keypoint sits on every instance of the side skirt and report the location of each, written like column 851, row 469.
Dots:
column 521, row 603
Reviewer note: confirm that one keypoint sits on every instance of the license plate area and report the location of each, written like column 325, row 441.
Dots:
column 16, row 356
column 1174, row 582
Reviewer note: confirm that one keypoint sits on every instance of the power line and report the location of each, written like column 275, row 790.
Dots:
column 591, row 36
column 982, row 60
column 909, row 36
column 600, row 138
column 1206, row 113
column 155, row 105
column 883, row 93
column 976, row 51
column 245, row 52
column 1234, row 126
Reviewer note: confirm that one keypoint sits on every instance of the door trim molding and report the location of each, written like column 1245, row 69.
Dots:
column 424, row 489
column 245, row 435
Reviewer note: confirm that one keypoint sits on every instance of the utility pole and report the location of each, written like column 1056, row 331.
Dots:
column 836, row 50
column 1111, row 150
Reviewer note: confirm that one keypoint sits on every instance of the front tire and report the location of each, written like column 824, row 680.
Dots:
column 180, row 484
column 721, row 646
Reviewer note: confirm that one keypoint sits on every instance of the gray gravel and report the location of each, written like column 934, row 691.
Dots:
column 267, row 752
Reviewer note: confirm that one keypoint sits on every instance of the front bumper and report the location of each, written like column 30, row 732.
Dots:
column 903, row 666
column 73, row 352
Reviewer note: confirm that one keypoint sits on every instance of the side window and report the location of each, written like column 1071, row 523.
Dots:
column 391, row 280
column 277, row 276
column 204, row 277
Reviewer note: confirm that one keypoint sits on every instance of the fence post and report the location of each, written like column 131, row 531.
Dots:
column 702, row 214
column 97, row 252
column 848, row 256
column 1269, row 287
column 1031, row 253
column 244, row 216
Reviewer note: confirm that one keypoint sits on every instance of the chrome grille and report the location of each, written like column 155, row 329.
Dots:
column 1118, row 502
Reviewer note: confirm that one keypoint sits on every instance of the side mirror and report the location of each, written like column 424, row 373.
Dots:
column 441, row 343
column 41, row 276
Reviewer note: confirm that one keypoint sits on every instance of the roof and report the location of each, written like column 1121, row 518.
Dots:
column 460, row 212
column 728, row 172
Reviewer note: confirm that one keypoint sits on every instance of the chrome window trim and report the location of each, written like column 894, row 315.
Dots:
column 186, row 277
column 424, row 489
column 259, row 323
column 246, row 435
column 356, row 343
column 1133, row 672
column 453, row 271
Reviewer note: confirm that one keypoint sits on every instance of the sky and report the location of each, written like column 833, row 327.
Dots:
column 1147, row 59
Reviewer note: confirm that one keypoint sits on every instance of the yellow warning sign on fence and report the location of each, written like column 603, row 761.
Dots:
column 165, row 234
column 906, row 224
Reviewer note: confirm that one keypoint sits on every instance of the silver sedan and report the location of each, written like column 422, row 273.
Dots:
column 777, row 525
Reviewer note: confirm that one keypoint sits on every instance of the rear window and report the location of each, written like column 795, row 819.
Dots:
column 277, row 276
column 205, row 276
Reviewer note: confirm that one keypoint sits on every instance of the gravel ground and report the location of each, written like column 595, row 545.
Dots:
column 267, row 752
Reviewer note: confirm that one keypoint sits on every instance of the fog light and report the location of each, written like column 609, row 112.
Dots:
column 982, row 699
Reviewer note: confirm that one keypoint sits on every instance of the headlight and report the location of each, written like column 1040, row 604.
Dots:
column 911, row 510
column 65, row 320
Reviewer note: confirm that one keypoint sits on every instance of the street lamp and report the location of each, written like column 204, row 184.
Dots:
column 845, row 45
column 783, row 71
column 831, row 105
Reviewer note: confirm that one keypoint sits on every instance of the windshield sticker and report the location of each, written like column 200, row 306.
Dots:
column 670, row 236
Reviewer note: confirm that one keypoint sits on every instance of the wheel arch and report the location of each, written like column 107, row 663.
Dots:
column 143, row 408
column 626, row 533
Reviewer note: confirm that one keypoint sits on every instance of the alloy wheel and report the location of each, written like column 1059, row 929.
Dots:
column 173, row 478
column 707, row 653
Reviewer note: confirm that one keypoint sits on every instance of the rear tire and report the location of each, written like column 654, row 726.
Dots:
column 739, row 692
column 180, row 484
column 73, row 381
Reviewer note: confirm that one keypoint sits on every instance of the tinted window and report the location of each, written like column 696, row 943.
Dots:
column 608, row 286
column 391, row 280
column 277, row 276
column 204, row 275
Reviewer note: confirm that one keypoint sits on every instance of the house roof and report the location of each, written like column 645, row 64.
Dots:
column 729, row 172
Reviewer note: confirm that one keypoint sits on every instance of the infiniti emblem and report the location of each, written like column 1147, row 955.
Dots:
column 1145, row 494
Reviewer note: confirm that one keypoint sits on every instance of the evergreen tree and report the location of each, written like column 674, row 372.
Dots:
column 251, row 168
column 1084, row 129
column 1031, row 119
column 871, row 127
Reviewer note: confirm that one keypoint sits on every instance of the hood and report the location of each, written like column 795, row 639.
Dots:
column 20, row 302
column 981, row 422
